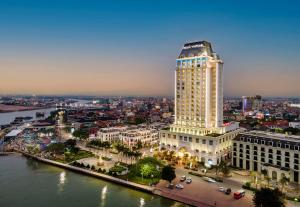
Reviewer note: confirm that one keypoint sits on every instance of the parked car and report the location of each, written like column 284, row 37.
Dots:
column 188, row 180
column 228, row 191
column 239, row 194
column 183, row 178
column 207, row 179
column 179, row 186
column 221, row 189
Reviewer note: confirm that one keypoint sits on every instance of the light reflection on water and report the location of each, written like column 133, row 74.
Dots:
column 51, row 186
column 142, row 202
column 61, row 181
column 103, row 195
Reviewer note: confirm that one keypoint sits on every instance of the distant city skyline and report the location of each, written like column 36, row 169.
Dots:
column 128, row 47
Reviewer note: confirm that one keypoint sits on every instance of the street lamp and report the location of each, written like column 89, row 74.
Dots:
column 151, row 179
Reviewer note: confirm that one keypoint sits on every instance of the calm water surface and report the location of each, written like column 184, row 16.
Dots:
column 6, row 118
column 28, row 183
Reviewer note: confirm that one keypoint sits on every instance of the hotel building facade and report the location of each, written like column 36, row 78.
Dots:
column 278, row 154
column 198, row 126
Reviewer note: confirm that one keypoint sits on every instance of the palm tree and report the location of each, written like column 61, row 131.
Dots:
column 119, row 147
column 268, row 179
column 106, row 145
column 284, row 181
column 137, row 155
column 264, row 172
column 225, row 168
column 218, row 168
column 164, row 154
column 125, row 152
column 254, row 175
column 130, row 154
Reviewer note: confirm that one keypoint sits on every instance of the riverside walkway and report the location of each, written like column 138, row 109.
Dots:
column 144, row 188
column 130, row 184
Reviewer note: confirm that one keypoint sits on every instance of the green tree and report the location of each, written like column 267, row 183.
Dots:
column 57, row 148
column 224, row 168
column 81, row 134
column 139, row 144
column 268, row 179
column 71, row 143
column 168, row 173
column 283, row 182
column 147, row 170
column 266, row 197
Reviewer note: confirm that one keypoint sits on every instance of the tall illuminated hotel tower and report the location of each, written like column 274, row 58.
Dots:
column 198, row 129
column 198, row 89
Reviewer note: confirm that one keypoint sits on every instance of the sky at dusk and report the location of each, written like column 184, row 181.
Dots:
column 96, row 47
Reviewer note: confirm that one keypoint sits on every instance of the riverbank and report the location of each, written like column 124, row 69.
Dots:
column 6, row 153
column 136, row 186
column 55, row 186
column 12, row 108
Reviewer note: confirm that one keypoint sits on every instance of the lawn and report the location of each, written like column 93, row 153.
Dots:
column 70, row 157
column 143, row 181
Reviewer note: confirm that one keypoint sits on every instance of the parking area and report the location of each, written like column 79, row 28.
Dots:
column 205, row 193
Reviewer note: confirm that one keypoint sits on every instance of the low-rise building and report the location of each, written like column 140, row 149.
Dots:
column 110, row 134
column 144, row 135
column 278, row 154
column 209, row 149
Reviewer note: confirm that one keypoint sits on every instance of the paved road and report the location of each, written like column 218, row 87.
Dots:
column 206, row 194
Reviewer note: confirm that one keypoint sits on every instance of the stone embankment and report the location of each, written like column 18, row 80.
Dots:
column 144, row 188
column 136, row 186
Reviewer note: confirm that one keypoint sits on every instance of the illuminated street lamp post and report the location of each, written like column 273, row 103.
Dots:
column 151, row 179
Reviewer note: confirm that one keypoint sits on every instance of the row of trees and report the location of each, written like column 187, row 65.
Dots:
column 222, row 167
column 81, row 133
column 266, row 197
column 124, row 151
column 258, row 178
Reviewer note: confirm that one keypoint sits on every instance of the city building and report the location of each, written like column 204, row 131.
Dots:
column 198, row 128
column 143, row 135
column 278, row 154
column 110, row 134
column 251, row 103
column 294, row 125
column 295, row 105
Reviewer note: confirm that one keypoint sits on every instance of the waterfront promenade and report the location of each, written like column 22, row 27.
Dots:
column 144, row 188
column 136, row 186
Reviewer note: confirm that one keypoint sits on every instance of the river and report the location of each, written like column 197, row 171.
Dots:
column 6, row 118
column 25, row 182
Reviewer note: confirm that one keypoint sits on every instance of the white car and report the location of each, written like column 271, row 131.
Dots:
column 183, row 178
column 207, row 179
column 188, row 180
column 179, row 186
column 221, row 189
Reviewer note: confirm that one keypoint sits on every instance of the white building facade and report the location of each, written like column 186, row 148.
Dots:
column 278, row 154
column 145, row 136
column 110, row 134
column 199, row 106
